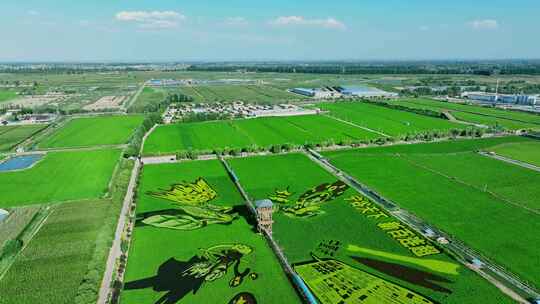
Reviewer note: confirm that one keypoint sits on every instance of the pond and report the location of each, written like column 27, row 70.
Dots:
column 19, row 162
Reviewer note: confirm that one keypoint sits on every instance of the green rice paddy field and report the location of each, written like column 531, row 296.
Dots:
column 94, row 131
column 242, row 133
column 362, row 244
column 476, row 114
column 7, row 95
column 170, row 250
column 528, row 152
column 59, row 176
column 10, row 136
column 148, row 96
column 246, row 93
column 389, row 121
column 52, row 267
column 491, row 207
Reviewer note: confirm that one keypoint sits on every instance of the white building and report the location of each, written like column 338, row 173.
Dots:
column 501, row 98
column 317, row 93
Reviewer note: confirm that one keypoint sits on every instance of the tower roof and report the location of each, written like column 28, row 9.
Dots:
column 265, row 203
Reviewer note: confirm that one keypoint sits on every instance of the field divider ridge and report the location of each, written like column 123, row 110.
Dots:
column 510, row 161
column 298, row 283
column 457, row 180
column 456, row 248
column 34, row 225
column 356, row 125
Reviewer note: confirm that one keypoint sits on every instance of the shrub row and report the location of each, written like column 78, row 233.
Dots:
column 287, row 147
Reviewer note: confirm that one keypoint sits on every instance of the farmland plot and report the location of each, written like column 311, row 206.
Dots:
column 194, row 244
column 476, row 114
column 6, row 95
column 59, row 176
column 322, row 224
column 444, row 191
column 10, row 136
column 244, row 133
column 246, row 93
column 528, row 152
column 148, row 96
column 94, row 131
column 389, row 121
column 52, row 267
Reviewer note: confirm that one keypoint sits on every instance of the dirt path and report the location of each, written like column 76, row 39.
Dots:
column 358, row 126
column 128, row 104
column 511, row 161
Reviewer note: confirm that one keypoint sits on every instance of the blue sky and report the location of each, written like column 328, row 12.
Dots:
column 166, row 30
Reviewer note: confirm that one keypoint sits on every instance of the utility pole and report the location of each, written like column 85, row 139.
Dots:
column 497, row 91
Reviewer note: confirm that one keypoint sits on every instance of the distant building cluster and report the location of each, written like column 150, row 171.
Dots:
column 235, row 109
column 530, row 100
column 15, row 117
column 439, row 89
column 343, row 92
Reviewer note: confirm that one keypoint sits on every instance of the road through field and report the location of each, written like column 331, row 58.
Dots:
column 115, row 252
column 134, row 98
column 358, row 126
column 511, row 161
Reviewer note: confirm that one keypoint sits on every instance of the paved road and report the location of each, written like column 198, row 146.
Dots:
column 511, row 161
column 115, row 252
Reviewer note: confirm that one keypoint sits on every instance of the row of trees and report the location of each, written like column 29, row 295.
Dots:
column 425, row 112
column 287, row 147
column 434, row 67
column 135, row 142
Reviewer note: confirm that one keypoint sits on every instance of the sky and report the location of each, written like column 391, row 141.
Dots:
column 242, row 30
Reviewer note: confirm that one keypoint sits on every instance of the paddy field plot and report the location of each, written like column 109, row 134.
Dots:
column 528, row 152
column 10, row 136
column 319, row 222
column 243, row 133
column 54, row 264
column 6, row 95
column 512, row 120
column 94, row 131
column 148, row 96
column 389, row 121
column 59, row 176
column 193, row 241
column 246, row 93
column 487, row 204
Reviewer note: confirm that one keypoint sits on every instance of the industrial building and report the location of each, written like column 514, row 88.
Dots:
column 367, row 92
column 320, row 93
column 502, row 98
column 347, row 92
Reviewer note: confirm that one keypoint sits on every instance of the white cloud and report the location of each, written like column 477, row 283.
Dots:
column 485, row 24
column 236, row 21
column 424, row 28
column 152, row 19
column 33, row 13
column 330, row 23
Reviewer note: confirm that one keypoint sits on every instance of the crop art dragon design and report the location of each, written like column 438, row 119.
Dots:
column 192, row 208
column 310, row 202
column 179, row 278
